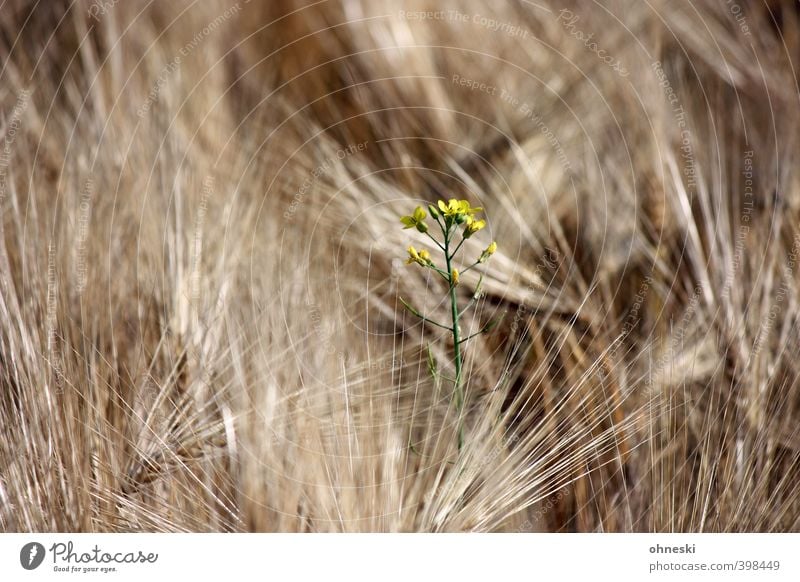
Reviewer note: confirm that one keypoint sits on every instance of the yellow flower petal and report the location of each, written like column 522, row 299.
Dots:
column 488, row 252
column 473, row 226
column 408, row 221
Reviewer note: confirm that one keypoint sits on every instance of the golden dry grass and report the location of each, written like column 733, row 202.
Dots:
column 200, row 282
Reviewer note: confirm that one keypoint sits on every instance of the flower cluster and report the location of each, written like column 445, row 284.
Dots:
column 452, row 217
column 422, row 257
column 415, row 220
column 449, row 216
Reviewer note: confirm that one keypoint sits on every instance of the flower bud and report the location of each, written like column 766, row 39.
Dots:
column 473, row 226
column 488, row 252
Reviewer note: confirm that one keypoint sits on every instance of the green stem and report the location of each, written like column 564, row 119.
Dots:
column 471, row 266
column 459, row 246
column 422, row 317
column 477, row 333
column 438, row 270
column 438, row 244
column 475, row 296
column 457, row 391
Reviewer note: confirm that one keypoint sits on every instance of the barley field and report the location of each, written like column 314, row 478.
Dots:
column 203, row 267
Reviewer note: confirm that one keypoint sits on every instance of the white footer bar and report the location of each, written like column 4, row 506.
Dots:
column 402, row 557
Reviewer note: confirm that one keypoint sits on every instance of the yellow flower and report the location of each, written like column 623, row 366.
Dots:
column 415, row 220
column 413, row 255
column 455, row 207
column 454, row 277
column 422, row 257
column 449, row 208
column 473, row 226
column 488, row 252
column 468, row 210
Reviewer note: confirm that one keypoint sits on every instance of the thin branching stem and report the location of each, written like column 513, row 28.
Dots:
column 438, row 244
column 469, row 337
column 475, row 264
column 454, row 214
column 458, row 394
column 458, row 247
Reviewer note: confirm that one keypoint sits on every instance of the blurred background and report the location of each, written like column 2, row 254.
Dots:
column 201, row 265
